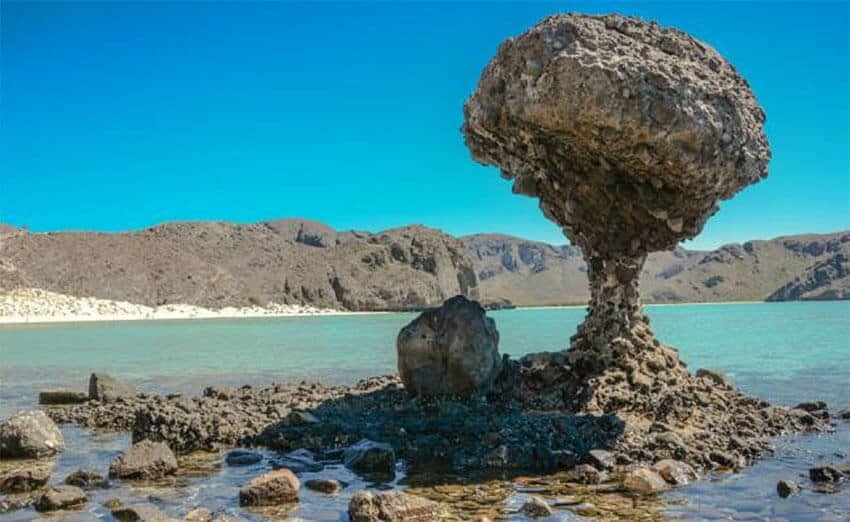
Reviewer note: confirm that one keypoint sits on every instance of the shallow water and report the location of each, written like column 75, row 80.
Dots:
column 783, row 352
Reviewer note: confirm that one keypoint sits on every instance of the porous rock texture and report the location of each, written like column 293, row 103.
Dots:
column 629, row 135
column 449, row 350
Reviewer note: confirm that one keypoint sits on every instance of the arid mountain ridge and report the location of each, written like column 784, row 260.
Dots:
column 217, row 264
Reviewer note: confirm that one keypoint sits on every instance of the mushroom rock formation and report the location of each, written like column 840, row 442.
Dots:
column 629, row 134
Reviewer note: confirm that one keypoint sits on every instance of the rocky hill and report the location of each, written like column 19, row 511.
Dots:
column 294, row 261
column 806, row 267
column 214, row 264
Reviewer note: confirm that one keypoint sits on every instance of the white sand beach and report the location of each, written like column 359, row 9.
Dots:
column 33, row 305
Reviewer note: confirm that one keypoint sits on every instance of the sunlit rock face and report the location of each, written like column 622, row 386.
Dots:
column 628, row 133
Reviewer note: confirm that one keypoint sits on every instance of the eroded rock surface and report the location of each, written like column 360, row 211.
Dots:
column 144, row 460
column 629, row 134
column 30, row 435
column 450, row 350
column 392, row 506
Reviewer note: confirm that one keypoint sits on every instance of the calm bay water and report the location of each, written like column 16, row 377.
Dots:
column 783, row 352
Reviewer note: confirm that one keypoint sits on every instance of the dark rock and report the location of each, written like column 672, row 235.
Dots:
column 367, row 456
column 645, row 481
column 30, row 435
column 328, row 486
column 17, row 476
column 224, row 393
column 276, row 487
column 144, row 460
column 786, row 488
column 843, row 413
column 86, row 479
column 450, row 350
column 724, row 459
column 587, row 474
column 298, row 461
column 536, row 507
column 104, row 388
column 61, row 497
column 53, row 397
column 243, row 458
column 811, row 406
column 392, row 506
column 300, row 418
column 825, row 474
column 600, row 459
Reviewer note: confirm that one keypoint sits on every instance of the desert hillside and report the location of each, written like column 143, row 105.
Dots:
column 294, row 261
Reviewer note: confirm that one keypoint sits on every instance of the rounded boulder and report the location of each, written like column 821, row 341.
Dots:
column 450, row 350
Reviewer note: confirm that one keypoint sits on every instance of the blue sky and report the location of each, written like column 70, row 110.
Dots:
column 117, row 116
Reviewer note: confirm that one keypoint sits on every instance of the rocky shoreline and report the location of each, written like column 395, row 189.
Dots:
column 376, row 426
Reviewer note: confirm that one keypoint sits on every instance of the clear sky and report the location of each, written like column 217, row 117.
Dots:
column 118, row 115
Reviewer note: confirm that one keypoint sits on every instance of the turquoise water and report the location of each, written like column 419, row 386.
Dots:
column 761, row 345
column 783, row 352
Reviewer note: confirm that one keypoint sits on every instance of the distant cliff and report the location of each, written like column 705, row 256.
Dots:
column 804, row 267
column 216, row 264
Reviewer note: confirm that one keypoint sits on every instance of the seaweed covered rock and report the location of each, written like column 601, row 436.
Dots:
column 450, row 350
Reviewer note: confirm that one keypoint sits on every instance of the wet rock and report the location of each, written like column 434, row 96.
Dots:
column 587, row 474
column 676, row 472
column 18, row 476
column 392, row 506
column 104, row 388
column 786, row 488
column 61, row 497
column 843, row 413
column 825, row 474
column 140, row 513
column 144, row 460
column 300, row 418
column 644, row 481
column 450, row 350
column 328, row 486
column 724, row 459
column 112, row 504
column 811, row 406
column 367, row 456
column 86, row 479
column 536, row 507
column 242, row 458
column 53, row 397
column 15, row 502
column 30, row 435
column 600, row 459
column 224, row 393
column 199, row 515
column 717, row 377
column 298, row 461
column 276, row 487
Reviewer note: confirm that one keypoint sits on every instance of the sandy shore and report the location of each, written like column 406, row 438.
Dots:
column 31, row 305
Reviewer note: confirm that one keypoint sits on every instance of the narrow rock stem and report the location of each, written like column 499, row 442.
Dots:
column 615, row 317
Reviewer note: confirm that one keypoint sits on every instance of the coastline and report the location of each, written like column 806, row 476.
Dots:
column 24, row 306
column 35, row 306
